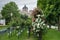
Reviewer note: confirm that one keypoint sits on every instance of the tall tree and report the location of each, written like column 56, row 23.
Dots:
column 9, row 8
column 50, row 7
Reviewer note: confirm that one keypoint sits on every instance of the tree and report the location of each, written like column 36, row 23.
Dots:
column 9, row 8
column 47, row 8
column 38, row 24
column 29, row 25
column 50, row 21
column 0, row 15
column 50, row 7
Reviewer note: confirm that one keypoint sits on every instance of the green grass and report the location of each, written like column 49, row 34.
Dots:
column 52, row 35
column 23, row 36
column 3, row 27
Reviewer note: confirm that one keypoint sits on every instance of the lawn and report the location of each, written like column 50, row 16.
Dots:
column 52, row 35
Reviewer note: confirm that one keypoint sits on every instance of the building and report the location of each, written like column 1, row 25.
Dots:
column 30, row 12
column 24, row 10
column 2, row 21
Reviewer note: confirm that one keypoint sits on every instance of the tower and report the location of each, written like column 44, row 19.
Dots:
column 25, row 9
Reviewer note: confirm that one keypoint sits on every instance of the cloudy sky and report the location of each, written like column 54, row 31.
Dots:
column 30, row 3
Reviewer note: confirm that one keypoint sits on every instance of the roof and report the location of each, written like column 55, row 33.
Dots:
column 25, row 7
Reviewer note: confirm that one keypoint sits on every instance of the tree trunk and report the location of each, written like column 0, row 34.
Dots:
column 49, row 26
column 40, row 34
column 59, row 23
column 7, row 20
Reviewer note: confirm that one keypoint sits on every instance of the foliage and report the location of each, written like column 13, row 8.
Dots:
column 29, row 22
column 9, row 8
column 39, row 26
column 23, row 36
column 50, row 9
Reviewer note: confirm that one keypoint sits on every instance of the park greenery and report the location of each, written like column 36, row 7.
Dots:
column 10, row 10
column 14, row 18
column 21, row 27
column 51, row 12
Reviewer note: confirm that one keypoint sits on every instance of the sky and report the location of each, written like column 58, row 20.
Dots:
column 31, row 4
